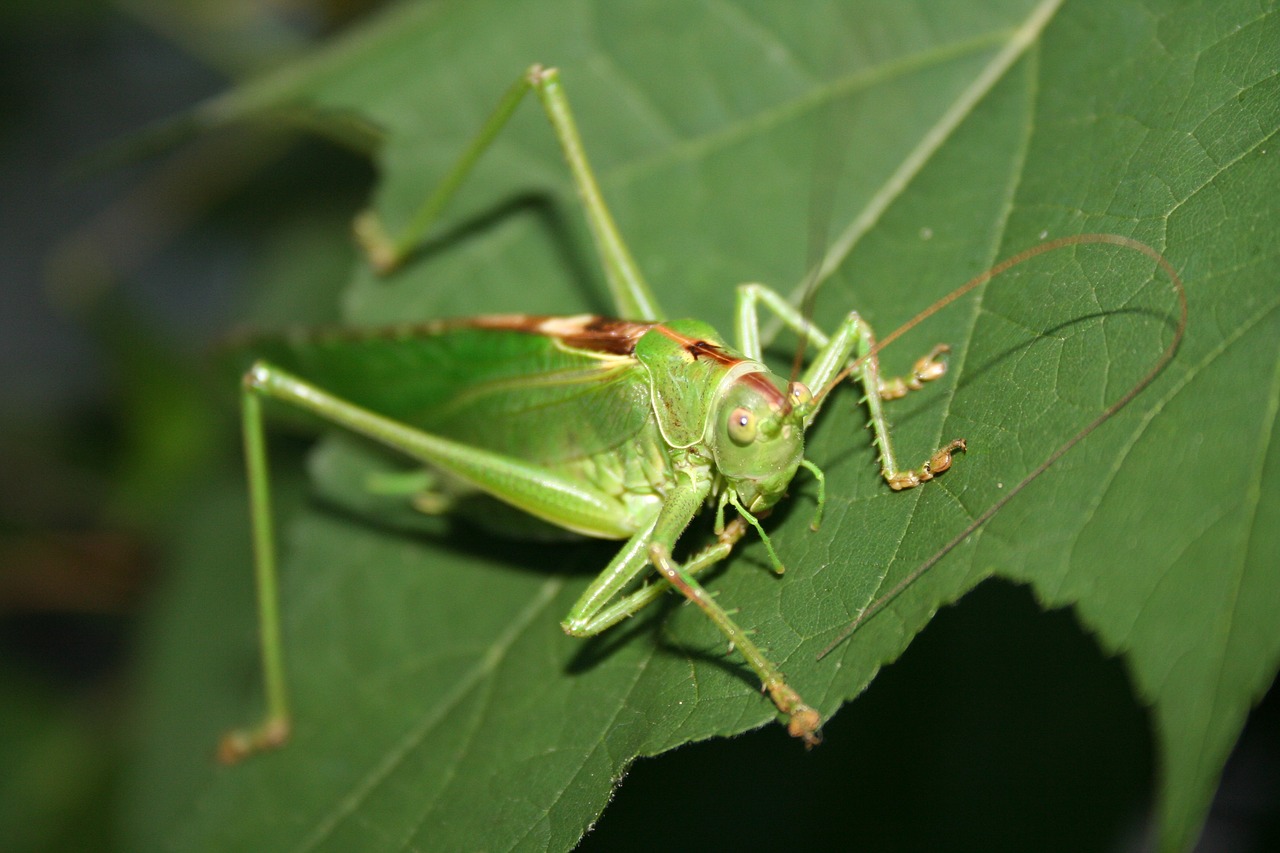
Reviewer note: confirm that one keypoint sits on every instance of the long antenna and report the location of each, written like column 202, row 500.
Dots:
column 832, row 122
column 1156, row 369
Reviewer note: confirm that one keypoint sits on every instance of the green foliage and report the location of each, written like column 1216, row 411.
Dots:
column 440, row 707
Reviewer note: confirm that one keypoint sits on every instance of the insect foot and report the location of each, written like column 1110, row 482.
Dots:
column 804, row 722
column 377, row 244
column 941, row 460
column 926, row 369
column 938, row 462
column 238, row 745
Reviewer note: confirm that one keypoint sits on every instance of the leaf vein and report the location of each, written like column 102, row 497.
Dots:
column 394, row 757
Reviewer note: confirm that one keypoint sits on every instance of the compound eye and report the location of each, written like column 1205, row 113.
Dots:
column 742, row 426
column 799, row 394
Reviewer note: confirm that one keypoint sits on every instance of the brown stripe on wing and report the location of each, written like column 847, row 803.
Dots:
column 589, row 332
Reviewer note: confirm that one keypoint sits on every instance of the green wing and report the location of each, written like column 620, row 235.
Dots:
column 518, row 393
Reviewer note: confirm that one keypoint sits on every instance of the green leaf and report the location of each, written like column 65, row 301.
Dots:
column 438, row 704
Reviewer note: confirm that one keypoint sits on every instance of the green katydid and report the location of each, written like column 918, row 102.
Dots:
column 661, row 418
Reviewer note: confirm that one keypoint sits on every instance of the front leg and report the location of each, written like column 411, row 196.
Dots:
column 599, row 607
column 850, row 350
column 802, row 721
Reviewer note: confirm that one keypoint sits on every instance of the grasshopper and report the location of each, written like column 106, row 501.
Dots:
column 655, row 420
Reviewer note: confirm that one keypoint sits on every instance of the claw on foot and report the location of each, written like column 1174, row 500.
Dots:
column 930, row 367
column 802, row 721
column 941, row 460
column 926, row 369
column 806, row 724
